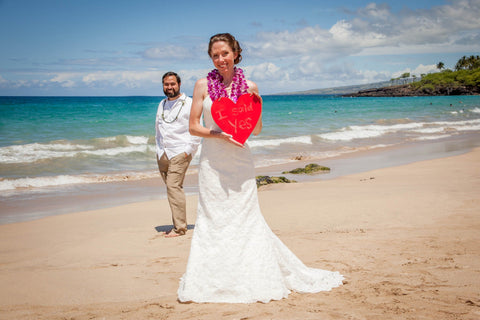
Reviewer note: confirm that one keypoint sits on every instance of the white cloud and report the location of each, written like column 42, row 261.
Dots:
column 418, row 71
column 345, row 34
column 167, row 52
column 375, row 27
column 288, row 44
column 265, row 71
column 21, row 83
column 3, row 82
column 129, row 79
column 375, row 11
column 66, row 80
column 142, row 80
column 433, row 26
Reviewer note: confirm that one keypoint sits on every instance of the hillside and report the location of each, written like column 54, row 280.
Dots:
column 340, row 90
column 410, row 91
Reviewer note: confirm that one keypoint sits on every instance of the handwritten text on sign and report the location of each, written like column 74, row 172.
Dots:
column 238, row 119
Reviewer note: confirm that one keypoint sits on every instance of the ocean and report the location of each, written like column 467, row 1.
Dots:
column 65, row 144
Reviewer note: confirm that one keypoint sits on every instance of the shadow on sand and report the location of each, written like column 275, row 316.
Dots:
column 169, row 227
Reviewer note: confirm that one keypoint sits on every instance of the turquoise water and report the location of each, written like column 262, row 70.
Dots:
column 48, row 142
column 44, row 119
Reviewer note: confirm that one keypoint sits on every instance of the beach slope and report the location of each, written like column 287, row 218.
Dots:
column 406, row 239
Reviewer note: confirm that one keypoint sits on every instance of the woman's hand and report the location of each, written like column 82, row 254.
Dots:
column 253, row 90
column 255, row 93
column 227, row 137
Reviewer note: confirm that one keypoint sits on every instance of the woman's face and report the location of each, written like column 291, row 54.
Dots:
column 222, row 56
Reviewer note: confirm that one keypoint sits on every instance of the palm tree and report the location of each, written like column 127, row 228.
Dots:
column 469, row 63
column 440, row 65
column 461, row 63
column 473, row 62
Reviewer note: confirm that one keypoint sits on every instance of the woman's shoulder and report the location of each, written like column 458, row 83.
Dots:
column 202, row 82
column 200, row 89
column 201, row 85
column 252, row 86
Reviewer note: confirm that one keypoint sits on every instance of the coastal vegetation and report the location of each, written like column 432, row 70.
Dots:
column 465, row 76
column 463, row 80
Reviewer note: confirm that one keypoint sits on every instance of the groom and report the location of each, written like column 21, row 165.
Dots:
column 175, row 148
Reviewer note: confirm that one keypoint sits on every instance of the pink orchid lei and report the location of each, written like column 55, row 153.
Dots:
column 217, row 90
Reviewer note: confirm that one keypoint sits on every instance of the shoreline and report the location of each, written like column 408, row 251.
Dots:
column 111, row 194
column 406, row 242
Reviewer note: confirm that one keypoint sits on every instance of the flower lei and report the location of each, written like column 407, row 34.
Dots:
column 216, row 87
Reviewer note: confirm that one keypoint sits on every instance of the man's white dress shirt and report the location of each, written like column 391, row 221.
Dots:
column 172, row 134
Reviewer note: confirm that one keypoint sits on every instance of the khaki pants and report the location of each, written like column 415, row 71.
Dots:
column 173, row 173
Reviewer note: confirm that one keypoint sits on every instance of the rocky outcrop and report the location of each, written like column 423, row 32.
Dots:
column 410, row 91
column 310, row 169
column 264, row 180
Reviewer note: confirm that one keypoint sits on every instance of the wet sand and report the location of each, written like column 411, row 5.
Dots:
column 74, row 198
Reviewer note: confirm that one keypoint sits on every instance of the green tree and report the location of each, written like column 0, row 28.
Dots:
column 460, row 65
column 440, row 65
column 468, row 63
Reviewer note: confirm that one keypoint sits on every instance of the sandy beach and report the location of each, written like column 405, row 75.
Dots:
column 406, row 238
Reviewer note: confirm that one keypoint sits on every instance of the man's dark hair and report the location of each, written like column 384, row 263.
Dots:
column 171, row 73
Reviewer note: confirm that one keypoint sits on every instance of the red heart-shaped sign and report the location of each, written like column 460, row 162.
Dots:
column 238, row 119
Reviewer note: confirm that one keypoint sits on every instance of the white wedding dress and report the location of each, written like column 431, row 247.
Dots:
column 234, row 256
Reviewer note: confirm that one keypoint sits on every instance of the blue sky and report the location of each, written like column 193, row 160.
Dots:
column 116, row 48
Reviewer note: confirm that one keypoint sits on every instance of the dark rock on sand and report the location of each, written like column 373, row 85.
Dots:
column 264, row 180
column 310, row 169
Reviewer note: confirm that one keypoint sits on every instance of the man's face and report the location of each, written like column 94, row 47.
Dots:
column 171, row 88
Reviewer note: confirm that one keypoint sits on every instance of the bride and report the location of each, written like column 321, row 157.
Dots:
column 234, row 256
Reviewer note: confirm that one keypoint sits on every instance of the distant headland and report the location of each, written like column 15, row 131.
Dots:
column 410, row 90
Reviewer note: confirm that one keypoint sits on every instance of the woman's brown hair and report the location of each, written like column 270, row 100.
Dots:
column 230, row 40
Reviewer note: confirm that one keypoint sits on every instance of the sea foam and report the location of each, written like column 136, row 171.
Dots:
column 475, row 110
column 373, row 131
column 276, row 142
column 62, row 180
column 109, row 146
column 367, row 131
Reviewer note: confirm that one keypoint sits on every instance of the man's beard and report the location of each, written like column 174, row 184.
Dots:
column 171, row 93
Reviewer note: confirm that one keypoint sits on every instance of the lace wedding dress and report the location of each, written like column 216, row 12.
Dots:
column 234, row 256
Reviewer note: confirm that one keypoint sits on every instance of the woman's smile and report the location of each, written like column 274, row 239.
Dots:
column 222, row 56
